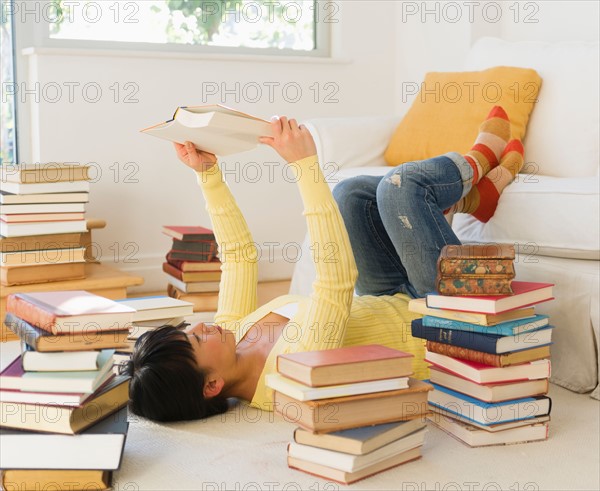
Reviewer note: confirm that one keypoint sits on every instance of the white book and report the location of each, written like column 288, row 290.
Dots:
column 193, row 287
column 352, row 463
column 42, row 228
column 62, row 361
column 22, row 199
column 159, row 307
column 45, row 187
column 43, row 256
column 42, row 208
column 302, row 392
column 214, row 128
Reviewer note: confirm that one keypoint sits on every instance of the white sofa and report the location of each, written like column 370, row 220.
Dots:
column 551, row 212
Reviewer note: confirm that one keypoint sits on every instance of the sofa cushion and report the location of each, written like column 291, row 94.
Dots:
column 562, row 137
column 542, row 215
column 448, row 110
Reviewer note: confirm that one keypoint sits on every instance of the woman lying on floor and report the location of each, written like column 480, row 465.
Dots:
column 180, row 375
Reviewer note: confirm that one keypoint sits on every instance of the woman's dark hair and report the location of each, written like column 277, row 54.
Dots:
column 166, row 383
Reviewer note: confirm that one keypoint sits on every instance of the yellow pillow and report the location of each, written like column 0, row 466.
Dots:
column 446, row 113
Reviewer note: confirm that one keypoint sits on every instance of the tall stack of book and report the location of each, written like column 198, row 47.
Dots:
column 41, row 222
column 192, row 267
column 63, row 415
column 358, row 412
column 489, row 354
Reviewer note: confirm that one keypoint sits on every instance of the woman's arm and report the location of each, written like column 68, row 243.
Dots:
column 237, row 250
column 324, row 325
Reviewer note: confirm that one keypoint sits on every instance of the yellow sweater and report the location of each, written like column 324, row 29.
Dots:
column 332, row 316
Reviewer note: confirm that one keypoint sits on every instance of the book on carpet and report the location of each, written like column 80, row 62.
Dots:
column 487, row 413
column 482, row 286
column 203, row 302
column 41, row 217
column 70, row 311
column 488, row 343
column 39, row 257
column 437, row 412
column 99, row 447
column 44, row 172
column 361, row 440
column 188, row 232
column 38, row 479
column 212, row 128
column 27, row 275
column 502, row 360
column 476, row 259
column 342, row 413
column 351, row 463
column 40, row 242
column 526, row 293
column 195, row 266
column 194, row 287
column 157, row 307
column 509, row 328
column 302, row 392
column 41, row 228
column 14, row 377
column 419, row 306
column 476, row 437
column 60, row 361
column 343, row 477
column 67, row 419
column 486, row 374
column 191, row 276
column 45, row 187
column 33, row 208
column 44, row 341
column 345, row 365
column 492, row 392
column 7, row 198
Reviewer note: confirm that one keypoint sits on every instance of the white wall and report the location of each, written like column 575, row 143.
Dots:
column 153, row 188
column 378, row 46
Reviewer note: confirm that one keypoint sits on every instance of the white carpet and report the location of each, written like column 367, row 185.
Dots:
column 245, row 449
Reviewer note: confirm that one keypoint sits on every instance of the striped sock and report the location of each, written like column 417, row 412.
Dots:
column 482, row 200
column 493, row 135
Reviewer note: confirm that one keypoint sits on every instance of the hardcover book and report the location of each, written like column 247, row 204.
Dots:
column 97, row 480
column 7, row 198
column 41, row 273
column 469, row 285
column 157, row 307
column 40, row 242
column 192, row 276
column 214, row 128
column 345, row 365
column 342, row 413
column 46, row 172
column 99, row 447
column 509, row 328
column 188, row 233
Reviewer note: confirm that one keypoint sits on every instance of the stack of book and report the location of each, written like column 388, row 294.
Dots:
column 476, row 269
column 357, row 410
column 60, row 393
column 192, row 267
column 490, row 363
column 41, row 222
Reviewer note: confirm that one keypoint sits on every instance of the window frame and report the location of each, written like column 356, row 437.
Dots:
column 37, row 34
column 15, row 100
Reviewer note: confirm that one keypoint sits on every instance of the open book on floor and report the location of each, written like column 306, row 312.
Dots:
column 213, row 128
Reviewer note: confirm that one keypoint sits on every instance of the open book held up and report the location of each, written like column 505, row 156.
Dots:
column 213, row 128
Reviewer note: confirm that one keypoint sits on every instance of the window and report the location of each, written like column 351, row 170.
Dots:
column 238, row 26
column 8, row 136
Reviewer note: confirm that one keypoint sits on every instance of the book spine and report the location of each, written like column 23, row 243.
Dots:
column 471, row 266
column 465, row 354
column 173, row 271
column 471, row 340
column 31, row 313
column 464, row 285
column 442, row 323
column 27, row 333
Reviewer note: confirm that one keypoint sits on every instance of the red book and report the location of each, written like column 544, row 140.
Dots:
column 189, row 266
column 525, row 293
column 75, row 311
column 188, row 232
column 345, row 365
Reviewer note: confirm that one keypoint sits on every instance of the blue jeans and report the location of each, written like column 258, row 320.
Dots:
column 396, row 223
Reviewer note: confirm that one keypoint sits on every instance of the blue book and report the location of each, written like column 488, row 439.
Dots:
column 486, row 413
column 510, row 328
column 488, row 343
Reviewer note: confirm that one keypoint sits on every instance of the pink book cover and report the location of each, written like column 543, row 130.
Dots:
column 179, row 231
column 350, row 354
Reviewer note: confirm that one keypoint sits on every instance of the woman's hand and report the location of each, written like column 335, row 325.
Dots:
column 289, row 140
column 196, row 159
